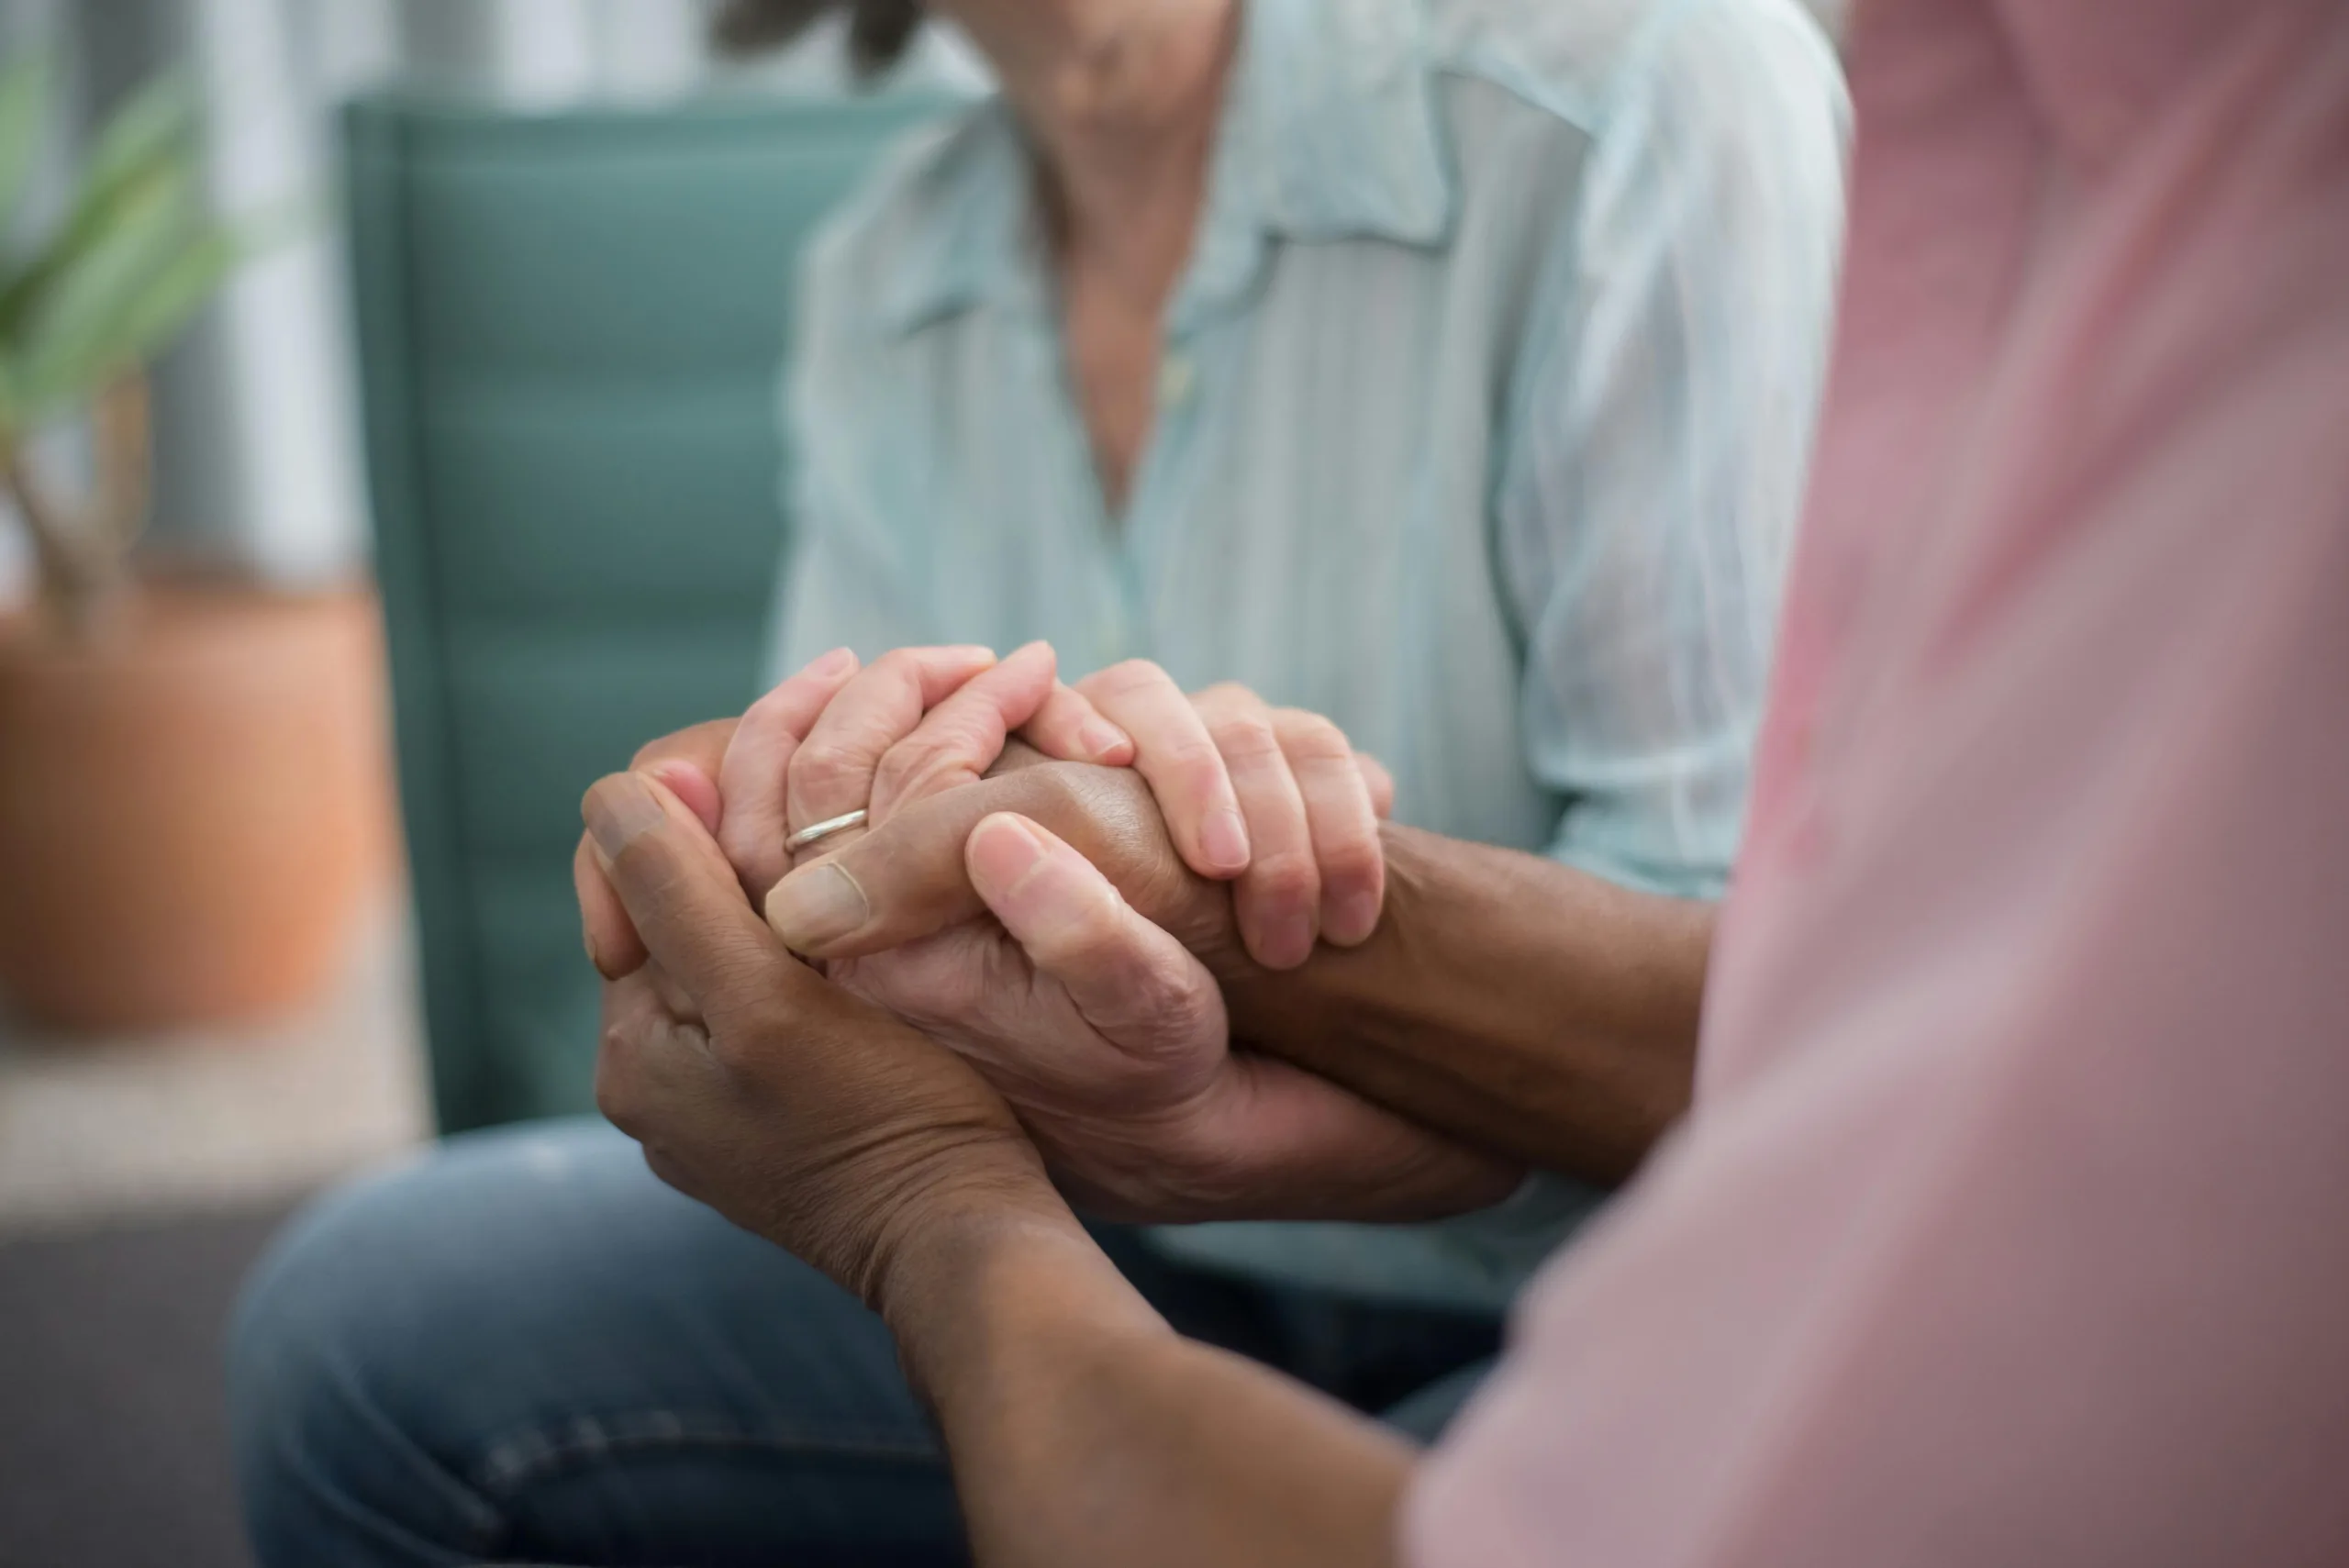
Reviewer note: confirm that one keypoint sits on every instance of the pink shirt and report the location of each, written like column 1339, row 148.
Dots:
column 2013, row 1224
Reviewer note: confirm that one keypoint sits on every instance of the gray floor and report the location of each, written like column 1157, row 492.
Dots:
column 113, row 1440
column 139, row 1179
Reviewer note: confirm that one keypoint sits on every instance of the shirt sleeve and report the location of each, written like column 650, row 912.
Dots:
column 2009, row 1225
column 1646, row 507
column 2017, row 1237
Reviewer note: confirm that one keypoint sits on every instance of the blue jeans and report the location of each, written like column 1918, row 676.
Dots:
column 526, row 1349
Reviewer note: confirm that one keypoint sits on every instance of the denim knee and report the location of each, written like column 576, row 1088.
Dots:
column 330, row 1367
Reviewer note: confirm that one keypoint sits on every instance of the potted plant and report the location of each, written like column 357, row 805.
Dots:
column 189, row 803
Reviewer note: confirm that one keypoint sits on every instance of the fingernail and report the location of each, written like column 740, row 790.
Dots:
column 1223, row 837
column 681, row 777
column 816, row 904
column 1003, row 850
column 619, row 811
column 832, row 663
column 587, row 940
column 1353, row 919
column 1102, row 739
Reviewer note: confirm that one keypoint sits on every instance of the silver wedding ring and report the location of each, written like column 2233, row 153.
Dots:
column 816, row 832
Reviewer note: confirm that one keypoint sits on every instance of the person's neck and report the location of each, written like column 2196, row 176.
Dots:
column 1120, row 99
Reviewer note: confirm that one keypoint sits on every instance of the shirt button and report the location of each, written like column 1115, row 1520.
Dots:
column 1175, row 376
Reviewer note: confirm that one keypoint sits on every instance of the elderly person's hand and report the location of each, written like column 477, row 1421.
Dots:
column 839, row 739
column 798, row 1111
column 1106, row 1034
column 1110, row 1039
column 1275, row 800
column 838, row 746
column 1068, row 967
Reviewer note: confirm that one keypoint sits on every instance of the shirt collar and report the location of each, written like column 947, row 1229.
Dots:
column 1329, row 131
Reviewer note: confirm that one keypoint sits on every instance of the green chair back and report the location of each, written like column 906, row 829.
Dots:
column 571, row 332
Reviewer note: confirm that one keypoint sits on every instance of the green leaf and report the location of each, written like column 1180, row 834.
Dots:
column 77, row 317
column 157, row 125
column 152, row 138
column 13, row 418
column 170, row 301
column 24, row 116
column 130, row 268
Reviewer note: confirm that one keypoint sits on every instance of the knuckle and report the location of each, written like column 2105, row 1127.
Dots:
column 992, row 695
column 774, row 700
column 902, row 666
column 617, row 1091
column 665, row 1169
column 1192, row 753
column 1125, row 678
column 910, row 771
column 1224, row 696
column 1286, row 877
column 1159, row 990
column 1195, row 767
column 1309, row 737
column 1243, row 737
column 1147, row 983
column 1051, row 792
column 900, row 765
column 734, row 1053
column 767, row 726
column 1062, row 705
column 1352, row 858
column 830, row 770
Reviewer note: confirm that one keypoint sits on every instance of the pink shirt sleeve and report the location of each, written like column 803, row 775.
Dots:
column 2013, row 1226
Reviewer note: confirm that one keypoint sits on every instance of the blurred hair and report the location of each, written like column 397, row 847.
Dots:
column 878, row 30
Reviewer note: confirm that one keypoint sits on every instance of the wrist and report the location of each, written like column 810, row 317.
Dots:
column 926, row 1239
column 978, row 1280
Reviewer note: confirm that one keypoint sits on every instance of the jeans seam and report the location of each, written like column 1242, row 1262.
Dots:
column 477, row 1516
column 522, row 1458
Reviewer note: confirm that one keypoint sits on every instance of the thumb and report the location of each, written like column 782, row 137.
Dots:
column 613, row 945
column 679, row 892
column 1131, row 981
column 903, row 880
column 687, row 762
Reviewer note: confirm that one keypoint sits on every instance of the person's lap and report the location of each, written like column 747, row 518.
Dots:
column 526, row 1347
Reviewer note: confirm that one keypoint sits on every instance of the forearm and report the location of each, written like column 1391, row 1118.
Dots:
column 1525, row 1009
column 1083, row 1430
column 1521, row 1005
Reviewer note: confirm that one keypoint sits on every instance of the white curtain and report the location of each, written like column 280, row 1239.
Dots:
column 256, row 453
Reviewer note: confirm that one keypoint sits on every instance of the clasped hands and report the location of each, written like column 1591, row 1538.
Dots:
column 1012, row 988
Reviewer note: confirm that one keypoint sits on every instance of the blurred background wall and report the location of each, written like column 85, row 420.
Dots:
column 257, row 459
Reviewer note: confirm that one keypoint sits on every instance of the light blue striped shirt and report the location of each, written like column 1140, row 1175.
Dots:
column 1481, row 428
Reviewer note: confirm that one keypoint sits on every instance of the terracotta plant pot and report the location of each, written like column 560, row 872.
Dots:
column 191, row 810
